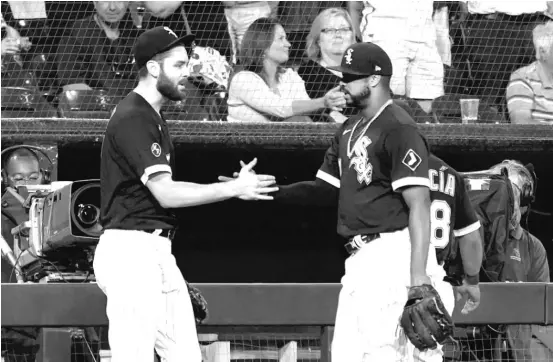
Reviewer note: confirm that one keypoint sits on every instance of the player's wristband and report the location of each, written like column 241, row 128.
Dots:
column 472, row 279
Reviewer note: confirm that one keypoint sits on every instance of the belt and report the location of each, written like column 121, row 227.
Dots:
column 164, row 233
column 358, row 241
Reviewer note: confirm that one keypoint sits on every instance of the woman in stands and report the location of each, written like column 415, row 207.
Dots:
column 263, row 90
column 331, row 33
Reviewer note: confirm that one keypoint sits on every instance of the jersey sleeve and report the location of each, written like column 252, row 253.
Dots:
column 330, row 169
column 141, row 146
column 408, row 154
column 466, row 220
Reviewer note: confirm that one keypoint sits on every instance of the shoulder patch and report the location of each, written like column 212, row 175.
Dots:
column 156, row 149
column 412, row 160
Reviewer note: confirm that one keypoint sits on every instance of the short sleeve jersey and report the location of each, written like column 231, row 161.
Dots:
column 371, row 162
column 451, row 212
column 136, row 145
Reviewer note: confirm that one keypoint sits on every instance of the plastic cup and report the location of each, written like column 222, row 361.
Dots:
column 469, row 110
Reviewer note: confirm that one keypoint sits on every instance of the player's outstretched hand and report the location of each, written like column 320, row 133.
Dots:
column 335, row 99
column 472, row 293
column 251, row 186
column 234, row 175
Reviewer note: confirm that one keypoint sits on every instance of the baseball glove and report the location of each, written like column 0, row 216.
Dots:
column 199, row 304
column 425, row 319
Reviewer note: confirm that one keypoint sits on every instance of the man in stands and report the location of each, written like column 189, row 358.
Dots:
column 530, row 90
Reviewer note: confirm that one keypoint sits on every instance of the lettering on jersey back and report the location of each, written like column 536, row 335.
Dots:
column 360, row 161
column 441, row 181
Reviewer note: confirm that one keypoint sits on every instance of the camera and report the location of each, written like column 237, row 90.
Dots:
column 57, row 242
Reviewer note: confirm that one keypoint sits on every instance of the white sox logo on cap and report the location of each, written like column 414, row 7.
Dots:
column 170, row 31
column 348, row 56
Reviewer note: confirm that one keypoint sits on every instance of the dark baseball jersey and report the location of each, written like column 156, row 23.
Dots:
column 451, row 212
column 136, row 145
column 371, row 161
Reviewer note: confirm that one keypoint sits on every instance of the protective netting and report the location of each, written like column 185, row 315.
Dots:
column 471, row 343
column 73, row 59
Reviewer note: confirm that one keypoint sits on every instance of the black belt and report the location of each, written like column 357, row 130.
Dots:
column 358, row 241
column 165, row 233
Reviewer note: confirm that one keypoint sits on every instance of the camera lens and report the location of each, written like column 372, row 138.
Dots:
column 88, row 214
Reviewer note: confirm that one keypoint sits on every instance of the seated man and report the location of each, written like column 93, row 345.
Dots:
column 530, row 90
column 97, row 54
column 21, row 168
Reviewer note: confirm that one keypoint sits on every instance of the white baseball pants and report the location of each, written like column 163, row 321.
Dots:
column 374, row 292
column 148, row 305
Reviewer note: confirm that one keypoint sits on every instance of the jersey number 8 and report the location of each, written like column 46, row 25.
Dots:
column 440, row 218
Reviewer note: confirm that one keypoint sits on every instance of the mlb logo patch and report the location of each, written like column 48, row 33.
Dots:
column 412, row 160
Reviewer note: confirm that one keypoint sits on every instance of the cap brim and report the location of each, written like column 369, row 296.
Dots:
column 347, row 71
column 186, row 40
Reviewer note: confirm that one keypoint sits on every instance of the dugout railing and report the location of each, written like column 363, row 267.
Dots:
column 284, row 322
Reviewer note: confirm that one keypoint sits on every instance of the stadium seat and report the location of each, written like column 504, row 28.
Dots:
column 20, row 102
column 94, row 104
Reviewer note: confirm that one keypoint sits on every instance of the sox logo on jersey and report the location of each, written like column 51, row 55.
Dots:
column 360, row 161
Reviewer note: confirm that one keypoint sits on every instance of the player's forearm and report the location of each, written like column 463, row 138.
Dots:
column 419, row 232
column 186, row 194
column 470, row 246
column 316, row 193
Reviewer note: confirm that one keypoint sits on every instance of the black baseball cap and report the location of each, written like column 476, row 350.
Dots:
column 155, row 41
column 361, row 60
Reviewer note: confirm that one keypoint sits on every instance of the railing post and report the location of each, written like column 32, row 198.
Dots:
column 327, row 333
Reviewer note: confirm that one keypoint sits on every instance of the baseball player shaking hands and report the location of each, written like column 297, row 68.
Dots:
column 151, row 308
column 377, row 171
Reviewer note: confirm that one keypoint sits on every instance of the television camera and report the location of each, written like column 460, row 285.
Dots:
column 57, row 241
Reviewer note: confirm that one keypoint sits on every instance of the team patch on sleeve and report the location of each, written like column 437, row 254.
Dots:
column 156, row 149
column 412, row 160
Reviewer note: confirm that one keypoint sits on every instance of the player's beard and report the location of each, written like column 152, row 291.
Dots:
column 357, row 100
column 168, row 89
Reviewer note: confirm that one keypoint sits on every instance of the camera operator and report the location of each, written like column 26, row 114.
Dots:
column 21, row 167
column 525, row 255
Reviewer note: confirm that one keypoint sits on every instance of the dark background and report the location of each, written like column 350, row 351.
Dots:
column 247, row 242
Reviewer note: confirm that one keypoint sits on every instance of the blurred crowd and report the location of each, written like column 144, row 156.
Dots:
column 259, row 61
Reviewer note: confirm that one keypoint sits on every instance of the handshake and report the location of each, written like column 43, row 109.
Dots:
column 247, row 185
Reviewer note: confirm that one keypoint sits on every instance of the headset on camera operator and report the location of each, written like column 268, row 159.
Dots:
column 525, row 255
column 20, row 167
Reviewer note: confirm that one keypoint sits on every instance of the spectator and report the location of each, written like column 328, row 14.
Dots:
column 206, row 20
column 408, row 35
column 240, row 15
column 264, row 90
column 331, row 33
column 530, row 90
column 98, row 52
column 497, row 42
column 525, row 255
column 296, row 17
column 12, row 64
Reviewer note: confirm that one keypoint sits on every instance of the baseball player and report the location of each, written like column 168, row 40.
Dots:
column 453, row 225
column 378, row 161
column 148, row 304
